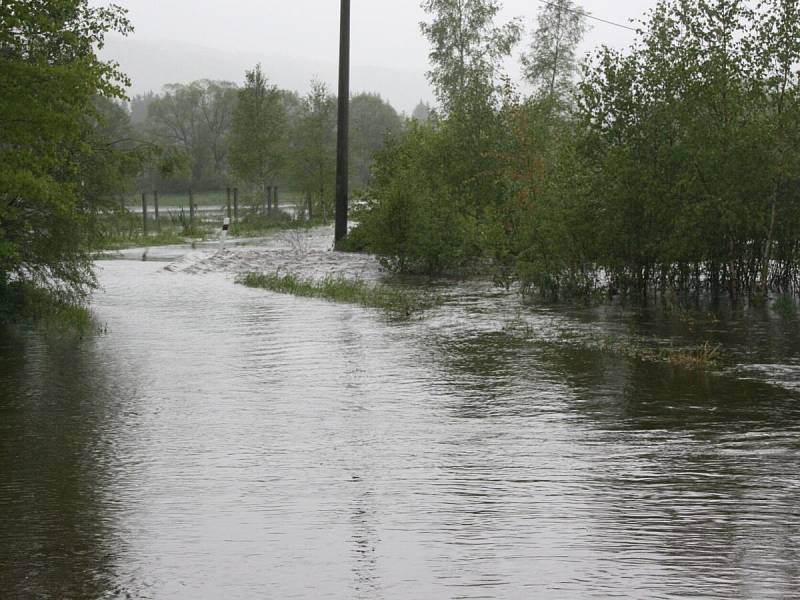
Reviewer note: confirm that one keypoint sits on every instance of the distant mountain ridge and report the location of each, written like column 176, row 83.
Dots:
column 152, row 64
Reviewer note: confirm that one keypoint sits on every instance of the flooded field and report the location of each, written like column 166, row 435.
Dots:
column 222, row 442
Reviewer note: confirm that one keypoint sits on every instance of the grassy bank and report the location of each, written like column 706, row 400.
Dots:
column 342, row 289
column 30, row 306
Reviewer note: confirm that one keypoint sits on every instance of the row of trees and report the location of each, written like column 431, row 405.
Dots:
column 260, row 135
column 670, row 168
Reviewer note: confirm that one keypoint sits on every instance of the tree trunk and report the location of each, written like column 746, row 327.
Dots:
column 768, row 246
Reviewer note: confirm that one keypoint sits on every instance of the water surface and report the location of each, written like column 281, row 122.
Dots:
column 222, row 442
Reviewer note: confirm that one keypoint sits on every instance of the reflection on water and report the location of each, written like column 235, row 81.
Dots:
column 222, row 442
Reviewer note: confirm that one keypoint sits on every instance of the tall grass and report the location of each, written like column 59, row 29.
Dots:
column 342, row 289
column 31, row 306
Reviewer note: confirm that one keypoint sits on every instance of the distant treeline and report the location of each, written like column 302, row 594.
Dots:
column 217, row 133
column 669, row 170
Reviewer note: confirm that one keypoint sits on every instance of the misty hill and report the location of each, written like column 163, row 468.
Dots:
column 152, row 64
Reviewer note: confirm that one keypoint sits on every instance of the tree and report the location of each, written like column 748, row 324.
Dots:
column 258, row 136
column 313, row 151
column 50, row 75
column 550, row 64
column 197, row 118
column 371, row 121
column 466, row 50
column 217, row 107
column 422, row 112
column 693, row 185
column 139, row 107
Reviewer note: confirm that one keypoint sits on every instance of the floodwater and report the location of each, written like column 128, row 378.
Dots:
column 222, row 442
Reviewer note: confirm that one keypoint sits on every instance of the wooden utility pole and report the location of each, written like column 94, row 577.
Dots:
column 191, row 209
column 343, row 123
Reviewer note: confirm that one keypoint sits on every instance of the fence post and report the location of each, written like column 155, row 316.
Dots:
column 236, row 209
column 191, row 209
column 308, row 200
column 269, row 200
column 275, row 197
column 144, row 212
column 228, row 201
column 155, row 206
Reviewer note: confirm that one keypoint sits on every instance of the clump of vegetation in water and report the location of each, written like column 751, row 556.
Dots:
column 697, row 357
column 341, row 289
column 587, row 196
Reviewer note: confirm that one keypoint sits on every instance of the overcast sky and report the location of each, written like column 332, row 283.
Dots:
column 385, row 37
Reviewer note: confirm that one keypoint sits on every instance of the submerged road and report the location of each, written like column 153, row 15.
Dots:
column 223, row 442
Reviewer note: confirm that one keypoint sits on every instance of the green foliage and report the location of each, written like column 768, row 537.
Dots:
column 313, row 149
column 467, row 49
column 675, row 173
column 540, row 233
column 550, row 64
column 692, row 181
column 55, row 157
column 190, row 124
column 258, row 134
column 342, row 289
column 415, row 224
column 436, row 186
column 23, row 303
column 258, row 223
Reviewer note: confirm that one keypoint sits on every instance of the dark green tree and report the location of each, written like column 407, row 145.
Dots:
column 313, row 149
column 258, row 136
column 49, row 150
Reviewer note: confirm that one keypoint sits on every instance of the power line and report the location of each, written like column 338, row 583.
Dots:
column 587, row 15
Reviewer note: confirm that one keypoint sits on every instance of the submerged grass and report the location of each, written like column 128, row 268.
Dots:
column 342, row 289
column 702, row 357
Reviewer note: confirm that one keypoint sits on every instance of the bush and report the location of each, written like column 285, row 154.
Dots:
column 415, row 225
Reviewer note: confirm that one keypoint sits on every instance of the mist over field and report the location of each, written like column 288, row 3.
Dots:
column 153, row 64
column 181, row 42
